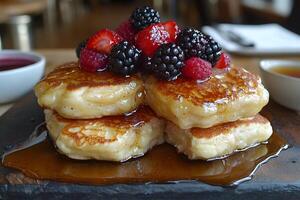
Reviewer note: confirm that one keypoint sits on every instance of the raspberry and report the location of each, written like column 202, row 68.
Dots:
column 167, row 61
column 223, row 62
column 92, row 61
column 79, row 48
column 103, row 41
column 126, row 31
column 149, row 39
column 143, row 17
column 197, row 68
column 124, row 58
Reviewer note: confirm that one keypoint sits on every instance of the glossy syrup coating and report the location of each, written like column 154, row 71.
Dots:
column 93, row 131
column 71, row 75
column 219, row 88
column 227, row 127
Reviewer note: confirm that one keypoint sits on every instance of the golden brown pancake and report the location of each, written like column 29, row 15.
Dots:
column 223, row 98
column 219, row 140
column 114, row 138
column 77, row 94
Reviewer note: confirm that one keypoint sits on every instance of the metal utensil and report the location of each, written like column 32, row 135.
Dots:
column 234, row 37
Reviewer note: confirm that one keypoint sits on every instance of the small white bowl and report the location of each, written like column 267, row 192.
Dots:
column 284, row 89
column 14, row 83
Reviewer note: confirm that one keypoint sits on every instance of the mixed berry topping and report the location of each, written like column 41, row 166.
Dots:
column 124, row 59
column 196, row 44
column 79, row 48
column 223, row 62
column 211, row 50
column 126, row 31
column 168, row 61
column 93, row 61
column 146, row 64
column 150, row 38
column 172, row 28
column 143, row 17
column 103, row 41
column 197, row 68
column 192, row 42
column 146, row 45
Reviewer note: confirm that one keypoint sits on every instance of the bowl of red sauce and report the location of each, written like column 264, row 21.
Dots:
column 19, row 72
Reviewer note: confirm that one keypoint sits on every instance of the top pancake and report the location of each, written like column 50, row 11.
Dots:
column 218, row 89
column 223, row 98
column 77, row 94
column 73, row 77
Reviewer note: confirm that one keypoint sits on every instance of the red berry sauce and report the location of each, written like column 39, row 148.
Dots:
column 14, row 63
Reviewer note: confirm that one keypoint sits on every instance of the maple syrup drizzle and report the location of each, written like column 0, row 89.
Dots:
column 288, row 71
column 231, row 85
column 73, row 77
column 42, row 161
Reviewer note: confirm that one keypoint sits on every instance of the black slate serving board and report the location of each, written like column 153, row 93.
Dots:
column 278, row 179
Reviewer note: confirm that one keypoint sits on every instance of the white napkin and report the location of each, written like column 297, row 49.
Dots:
column 268, row 39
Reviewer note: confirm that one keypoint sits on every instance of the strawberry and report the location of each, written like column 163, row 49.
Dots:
column 150, row 38
column 172, row 28
column 197, row 68
column 103, row 41
column 223, row 62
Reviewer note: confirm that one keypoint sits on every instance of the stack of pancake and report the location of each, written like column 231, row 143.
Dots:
column 214, row 118
column 97, row 115
column 103, row 116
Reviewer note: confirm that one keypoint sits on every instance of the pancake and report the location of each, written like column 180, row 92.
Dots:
column 221, row 140
column 112, row 138
column 77, row 94
column 223, row 98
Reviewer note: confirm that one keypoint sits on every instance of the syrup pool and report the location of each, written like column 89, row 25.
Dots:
column 42, row 161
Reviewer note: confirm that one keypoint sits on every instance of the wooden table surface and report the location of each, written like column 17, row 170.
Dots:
column 9, row 8
column 55, row 57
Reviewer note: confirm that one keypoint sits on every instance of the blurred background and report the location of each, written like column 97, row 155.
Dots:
column 31, row 24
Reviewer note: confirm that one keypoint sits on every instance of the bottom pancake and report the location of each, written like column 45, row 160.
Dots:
column 112, row 138
column 221, row 140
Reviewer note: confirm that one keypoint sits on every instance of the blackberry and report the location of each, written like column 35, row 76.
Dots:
column 124, row 58
column 196, row 44
column 143, row 17
column 80, row 46
column 211, row 51
column 167, row 61
column 191, row 42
